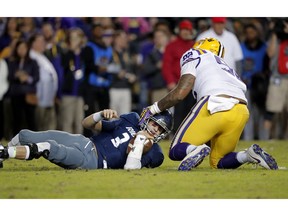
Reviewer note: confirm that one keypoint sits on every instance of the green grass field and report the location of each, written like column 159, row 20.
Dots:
column 40, row 179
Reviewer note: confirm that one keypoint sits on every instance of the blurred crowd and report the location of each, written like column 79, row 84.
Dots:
column 56, row 70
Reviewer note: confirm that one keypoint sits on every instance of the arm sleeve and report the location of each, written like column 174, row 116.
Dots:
column 188, row 64
column 153, row 158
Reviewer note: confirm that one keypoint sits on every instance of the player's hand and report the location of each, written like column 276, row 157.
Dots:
column 109, row 114
column 146, row 134
column 145, row 114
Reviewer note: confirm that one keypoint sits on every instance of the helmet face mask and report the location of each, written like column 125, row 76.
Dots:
column 164, row 120
column 211, row 44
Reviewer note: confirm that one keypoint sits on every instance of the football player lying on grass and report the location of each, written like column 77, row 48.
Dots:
column 118, row 142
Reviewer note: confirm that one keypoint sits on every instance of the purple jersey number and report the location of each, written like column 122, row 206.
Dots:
column 226, row 67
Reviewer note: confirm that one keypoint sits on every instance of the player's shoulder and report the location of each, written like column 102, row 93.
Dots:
column 191, row 55
column 131, row 117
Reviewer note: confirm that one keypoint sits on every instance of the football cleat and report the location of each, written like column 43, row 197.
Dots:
column 194, row 158
column 3, row 154
column 257, row 155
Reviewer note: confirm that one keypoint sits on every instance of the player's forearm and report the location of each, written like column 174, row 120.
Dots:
column 183, row 88
column 169, row 100
column 93, row 121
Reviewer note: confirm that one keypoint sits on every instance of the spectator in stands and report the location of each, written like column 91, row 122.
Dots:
column 135, row 26
column 96, row 57
column 9, row 38
column 121, row 87
column 277, row 96
column 171, row 68
column 4, row 84
column 202, row 25
column 233, row 56
column 146, row 46
column 46, row 87
column 3, row 22
column 255, row 78
column 54, row 52
column 152, row 67
column 23, row 77
column 72, row 103
column 28, row 27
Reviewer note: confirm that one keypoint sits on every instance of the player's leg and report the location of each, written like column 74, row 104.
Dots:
column 223, row 146
column 189, row 141
column 78, row 155
column 27, row 136
column 26, row 152
column 70, row 157
column 65, row 149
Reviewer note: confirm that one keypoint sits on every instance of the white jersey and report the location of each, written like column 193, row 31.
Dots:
column 213, row 75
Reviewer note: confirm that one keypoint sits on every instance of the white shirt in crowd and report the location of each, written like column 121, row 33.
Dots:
column 3, row 78
column 47, row 85
column 233, row 51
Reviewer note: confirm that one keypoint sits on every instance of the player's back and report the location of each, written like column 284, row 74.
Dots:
column 213, row 75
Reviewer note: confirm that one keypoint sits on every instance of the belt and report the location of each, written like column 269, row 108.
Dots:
column 241, row 101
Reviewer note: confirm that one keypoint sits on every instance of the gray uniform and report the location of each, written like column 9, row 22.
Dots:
column 67, row 150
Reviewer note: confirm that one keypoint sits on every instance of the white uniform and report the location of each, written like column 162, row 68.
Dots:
column 213, row 75
column 233, row 51
column 219, row 120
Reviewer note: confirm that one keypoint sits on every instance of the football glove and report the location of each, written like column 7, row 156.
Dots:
column 148, row 112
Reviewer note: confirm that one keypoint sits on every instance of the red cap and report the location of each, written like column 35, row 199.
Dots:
column 218, row 19
column 185, row 24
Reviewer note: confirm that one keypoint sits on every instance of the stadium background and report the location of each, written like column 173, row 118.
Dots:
column 140, row 40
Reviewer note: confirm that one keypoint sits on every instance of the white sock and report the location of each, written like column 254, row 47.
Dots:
column 242, row 157
column 12, row 152
column 43, row 146
column 190, row 148
column 14, row 141
column 27, row 152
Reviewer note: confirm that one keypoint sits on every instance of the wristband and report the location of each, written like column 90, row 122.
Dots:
column 154, row 108
column 97, row 117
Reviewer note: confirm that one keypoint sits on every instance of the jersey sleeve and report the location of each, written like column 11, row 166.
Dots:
column 131, row 117
column 189, row 62
column 109, row 125
column 153, row 158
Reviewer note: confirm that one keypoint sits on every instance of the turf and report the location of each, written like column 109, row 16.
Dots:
column 40, row 179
